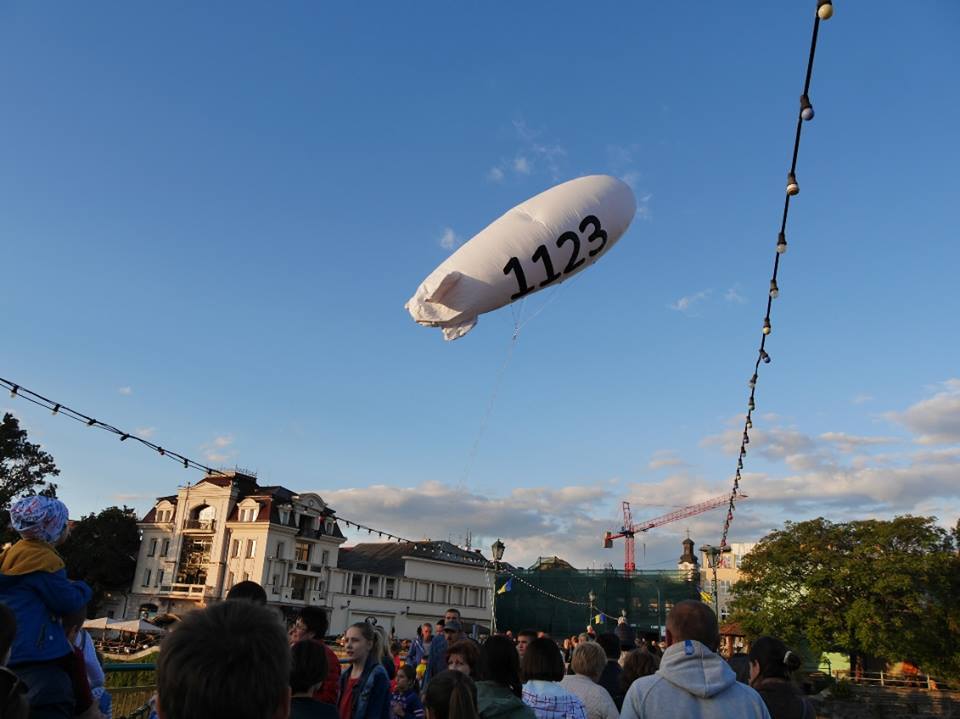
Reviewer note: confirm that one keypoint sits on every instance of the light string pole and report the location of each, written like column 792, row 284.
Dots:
column 805, row 114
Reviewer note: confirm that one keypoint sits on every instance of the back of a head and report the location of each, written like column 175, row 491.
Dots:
column 589, row 660
column 229, row 660
column 775, row 659
column 308, row 666
column 249, row 591
column 530, row 634
column 740, row 664
column 542, row 660
column 451, row 695
column 692, row 619
column 638, row 663
column 610, row 643
column 500, row 663
column 315, row 620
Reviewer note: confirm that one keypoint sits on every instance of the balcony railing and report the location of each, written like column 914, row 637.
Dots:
column 200, row 525
column 311, row 533
column 186, row 591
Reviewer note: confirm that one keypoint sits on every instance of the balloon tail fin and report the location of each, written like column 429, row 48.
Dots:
column 455, row 332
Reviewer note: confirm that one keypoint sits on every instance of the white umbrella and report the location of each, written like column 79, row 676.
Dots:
column 101, row 623
column 137, row 626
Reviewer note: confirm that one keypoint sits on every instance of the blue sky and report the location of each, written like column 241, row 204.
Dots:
column 212, row 216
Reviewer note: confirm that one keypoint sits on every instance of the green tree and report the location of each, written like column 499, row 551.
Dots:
column 884, row 588
column 24, row 467
column 102, row 550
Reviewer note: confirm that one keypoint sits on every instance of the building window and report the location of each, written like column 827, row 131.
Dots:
column 456, row 596
column 284, row 517
column 373, row 587
column 153, row 547
column 325, row 557
column 229, row 581
column 146, row 577
column 389, row 587
column 164, row 547
column 280, row 548
column 302, row 552
column 440, row 593
column 356, row 584
column 235, row 548
column 423, row 592
column 159, row 577
column 251, row 548
column 246, row 576
column 276, row 584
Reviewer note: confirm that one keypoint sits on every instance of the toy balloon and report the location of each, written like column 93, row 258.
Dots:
column 539, row 243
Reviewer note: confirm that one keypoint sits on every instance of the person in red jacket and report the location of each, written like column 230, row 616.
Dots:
column 311, row 623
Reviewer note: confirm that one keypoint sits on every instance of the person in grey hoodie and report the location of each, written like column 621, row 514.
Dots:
column 499, row 689
column 693, row 681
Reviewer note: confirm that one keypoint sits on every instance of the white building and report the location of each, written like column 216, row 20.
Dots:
column 225, row 529
column 405, row 584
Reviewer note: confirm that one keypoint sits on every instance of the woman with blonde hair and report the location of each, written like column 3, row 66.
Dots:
column 587, row 664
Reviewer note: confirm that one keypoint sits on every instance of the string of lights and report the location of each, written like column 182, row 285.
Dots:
column 805, row 114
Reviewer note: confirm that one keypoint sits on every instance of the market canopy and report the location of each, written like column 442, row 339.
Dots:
column 136, row 626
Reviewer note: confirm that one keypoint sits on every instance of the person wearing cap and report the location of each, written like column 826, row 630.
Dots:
column 453, row 632
column 34, row 585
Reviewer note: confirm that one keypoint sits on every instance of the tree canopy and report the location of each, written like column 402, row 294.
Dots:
column 883, row 588
column 24, row 467
column 102, row 550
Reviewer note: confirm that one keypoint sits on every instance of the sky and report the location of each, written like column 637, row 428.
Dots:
column 212, row 215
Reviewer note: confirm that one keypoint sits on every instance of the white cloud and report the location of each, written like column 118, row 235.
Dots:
column 126, row 391
column 215, row 450
column 145, row 432
column 851, row 442
column 521, row 165
column 449, row 239
column 495, row 174
column 665, row 458
column 687, row 303
column 862, row 398
column 532, row 521
column 733, row 295
column 935, row 420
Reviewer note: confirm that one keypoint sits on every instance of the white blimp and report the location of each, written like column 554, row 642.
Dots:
column 539, row 243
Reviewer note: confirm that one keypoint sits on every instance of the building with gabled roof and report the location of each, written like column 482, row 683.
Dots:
column 226, row 529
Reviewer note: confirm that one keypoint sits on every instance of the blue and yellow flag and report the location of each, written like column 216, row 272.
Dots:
column 507, row 586
column 600, row 619
column 705, row 597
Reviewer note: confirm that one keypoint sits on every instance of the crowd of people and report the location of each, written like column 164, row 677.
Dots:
column 237, row 659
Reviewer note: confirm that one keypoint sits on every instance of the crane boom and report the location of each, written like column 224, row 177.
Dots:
column 630, row 529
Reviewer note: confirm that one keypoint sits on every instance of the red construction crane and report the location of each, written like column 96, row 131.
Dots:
column 629, row 529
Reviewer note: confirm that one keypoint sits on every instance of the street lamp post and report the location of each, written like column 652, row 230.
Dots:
column 713, row 559
column 497, row 550
column 592, row 598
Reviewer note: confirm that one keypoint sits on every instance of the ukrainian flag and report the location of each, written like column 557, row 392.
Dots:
column 507, row 586
column 705, row 597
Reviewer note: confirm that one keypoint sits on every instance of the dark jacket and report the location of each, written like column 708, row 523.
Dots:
column 495, row 701
column 610, row 680
column 371, row 696
column 784, row 700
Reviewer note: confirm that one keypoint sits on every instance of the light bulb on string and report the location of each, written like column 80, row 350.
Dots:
column 124, row 437
column 749, row 422
column 746, row 438
column 793, row 187
column 91, row 422
column 806, row 109
column 13, row 391
column 766, row 326
column 781, row 243
column 774, row 289
column 751, row 404
column 56, row 408
column 753, row 381
column 185, row 463
column 764, row 356
column 824, row 9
